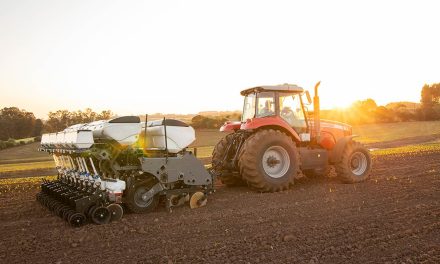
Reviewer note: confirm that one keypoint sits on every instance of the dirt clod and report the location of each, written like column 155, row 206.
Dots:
column 287, row 238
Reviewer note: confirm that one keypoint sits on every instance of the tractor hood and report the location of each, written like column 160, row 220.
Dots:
column 335, row 125
column 331, row 132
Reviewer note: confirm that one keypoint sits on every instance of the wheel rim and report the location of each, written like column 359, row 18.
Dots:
column 139, row 197
column 101, row 215
column 276, row 161
column 358, row 163
column 116, row 212
column 77, row 220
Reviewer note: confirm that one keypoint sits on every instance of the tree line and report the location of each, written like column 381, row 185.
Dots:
column 61, row 119
column 367, row 111
column 202, row 121
column 430, row 102
column 17, row 123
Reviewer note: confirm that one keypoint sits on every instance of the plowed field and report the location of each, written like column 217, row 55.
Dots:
column 393, row 217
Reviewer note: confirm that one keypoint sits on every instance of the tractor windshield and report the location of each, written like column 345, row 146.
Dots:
column 249, row 107
column 291, row 111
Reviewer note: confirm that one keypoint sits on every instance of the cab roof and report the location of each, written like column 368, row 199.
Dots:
column 279, row 88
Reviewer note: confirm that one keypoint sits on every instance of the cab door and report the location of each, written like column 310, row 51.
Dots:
column 291, row 111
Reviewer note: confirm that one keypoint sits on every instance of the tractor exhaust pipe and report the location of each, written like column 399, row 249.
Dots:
column 316, row 110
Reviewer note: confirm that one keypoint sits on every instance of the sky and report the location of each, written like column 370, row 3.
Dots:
column 169, row 56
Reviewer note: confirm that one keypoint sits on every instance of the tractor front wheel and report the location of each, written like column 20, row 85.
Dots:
column 355, row 164
column 269, row 161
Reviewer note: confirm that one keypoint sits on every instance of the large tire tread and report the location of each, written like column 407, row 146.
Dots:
column 343, row 169
column 218, row 153
column 250, row 162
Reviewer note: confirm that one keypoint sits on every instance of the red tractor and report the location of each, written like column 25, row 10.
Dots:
column 276, row 140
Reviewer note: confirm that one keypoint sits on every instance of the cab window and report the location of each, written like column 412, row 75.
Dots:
column 249, row 107
column 291, row 111
column 266, row 104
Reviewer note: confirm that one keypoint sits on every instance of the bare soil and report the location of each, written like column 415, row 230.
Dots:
column 25, row 153
column 393, row 217
column 28, row 173
column 405, row 141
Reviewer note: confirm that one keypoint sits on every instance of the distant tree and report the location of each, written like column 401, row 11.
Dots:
column 426, row 96
column 430, row 102
column 361, row 112
column 384, row 115
column 38, row 127
column 16, row 123
column 105, row 115
column 58, row 120
column 366, row 106
column 61, row 119
column 402, row 113
column 197, row 121
column 200, row 121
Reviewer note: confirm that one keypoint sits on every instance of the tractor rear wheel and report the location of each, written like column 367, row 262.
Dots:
column 355, row 164
column 218, row 154
column 269, row 161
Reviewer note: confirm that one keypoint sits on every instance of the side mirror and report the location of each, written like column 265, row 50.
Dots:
column 309, row 98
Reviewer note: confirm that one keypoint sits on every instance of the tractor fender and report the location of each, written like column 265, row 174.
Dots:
column 230, row 126
column 270, row 122
column 338, row 149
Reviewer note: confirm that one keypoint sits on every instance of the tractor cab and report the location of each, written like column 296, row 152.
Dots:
column 284, row 107
column 275, row 106
column 282, row 101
